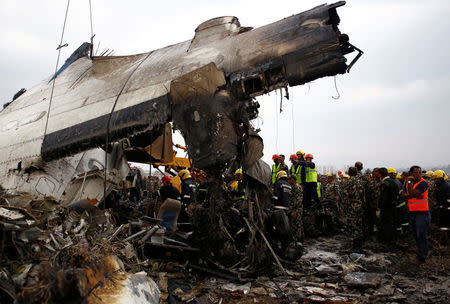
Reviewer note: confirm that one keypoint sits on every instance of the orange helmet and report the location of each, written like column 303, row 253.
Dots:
column 275, row 156
column 293, row 156
column 309, row 156
column 166, row 179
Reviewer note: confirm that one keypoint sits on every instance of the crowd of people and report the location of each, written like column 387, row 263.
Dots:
column 381, row 203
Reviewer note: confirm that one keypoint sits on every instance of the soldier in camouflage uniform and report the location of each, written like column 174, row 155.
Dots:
column 296, row 209
column 152, row 186
column 333, row 194
column 333, row 191
column 432, row 201
column 372, row 200
column 354, row 195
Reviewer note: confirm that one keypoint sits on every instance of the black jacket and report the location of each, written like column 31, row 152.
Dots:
column 188, row 191
column 443, row 194
column 169, row 192
column 282, row 193
column 388, row 193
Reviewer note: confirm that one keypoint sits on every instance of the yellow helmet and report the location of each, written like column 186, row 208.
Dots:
column 281, row 174
column 439, row 174
column 327, row 174
column 238, row 171
column 429, row 174
column 399, row 176
column 300, row 152
column 183, row 174
column 392, row 170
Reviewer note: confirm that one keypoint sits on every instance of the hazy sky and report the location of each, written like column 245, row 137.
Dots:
column 393, row 108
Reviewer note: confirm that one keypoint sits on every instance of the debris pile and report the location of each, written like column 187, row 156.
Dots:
column 83, row 254
column 54, row 254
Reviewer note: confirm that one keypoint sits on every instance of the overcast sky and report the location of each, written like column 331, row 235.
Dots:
column 393, row 108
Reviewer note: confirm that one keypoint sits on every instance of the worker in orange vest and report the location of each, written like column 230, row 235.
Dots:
column 415, row 191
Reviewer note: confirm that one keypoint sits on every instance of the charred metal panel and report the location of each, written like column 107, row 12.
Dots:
column 294, row 50
column 202, row 116
column 214, row 123
column 318, row 52
column 153, row 113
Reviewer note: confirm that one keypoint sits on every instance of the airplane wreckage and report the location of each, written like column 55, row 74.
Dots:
column 53, row 136
column 69, row 139
column 64, row 146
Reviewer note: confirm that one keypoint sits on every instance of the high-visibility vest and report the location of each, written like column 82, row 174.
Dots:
column 418, row 204
column 297, row 172
column 275, row 170
column 235, row 186
column 318, row 189
column 311, row 175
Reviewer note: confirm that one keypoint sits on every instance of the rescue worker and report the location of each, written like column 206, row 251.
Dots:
column 393, row 174
column 167, row 190
column 321, row 186
column 416, row 192
column 388, row 201
column 296, row 209
column 188, row 193
column 275, row 167
column 152, row 187
column 282, row 190
column 283, row 165
column 370, row 201
column 401, row 221
column 432, row 201
column 354, row 196
column 309, row 178
column 429, row 175
column 333, row 192
column 280, row 216
column 443, row 198
column 295, row 168
column 300, row 155
column 340, row 176
column 237, row 186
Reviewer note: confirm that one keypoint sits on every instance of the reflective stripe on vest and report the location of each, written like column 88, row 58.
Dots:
column 275, row 170
column 298, row 173
column 311, row 175
column 318, row 190
column 418, row 204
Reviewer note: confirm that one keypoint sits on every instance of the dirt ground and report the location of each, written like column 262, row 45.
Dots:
column 324, row 275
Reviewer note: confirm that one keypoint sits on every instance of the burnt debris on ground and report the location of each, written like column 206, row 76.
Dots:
column 84, row 254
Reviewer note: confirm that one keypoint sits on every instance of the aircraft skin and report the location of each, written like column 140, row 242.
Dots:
column 120, row 96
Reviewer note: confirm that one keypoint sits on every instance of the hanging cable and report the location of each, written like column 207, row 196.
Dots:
column 293, row 122
column 281, row 100
column 276, row 119
column 60, row 46
column 109, row 122
column 337, row 91
column 92, row 30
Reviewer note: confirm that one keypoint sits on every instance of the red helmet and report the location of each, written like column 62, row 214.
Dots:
column 275, row 156
column 166, row 179
column 339, row 172
column 309, row 156
column 293, row 156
